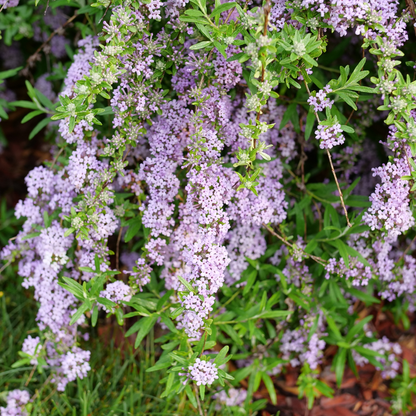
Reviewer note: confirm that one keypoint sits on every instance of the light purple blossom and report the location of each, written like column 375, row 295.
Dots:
column 329, row 136
column 203, row 372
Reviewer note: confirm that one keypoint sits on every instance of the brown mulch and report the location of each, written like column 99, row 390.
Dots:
column 367, row 395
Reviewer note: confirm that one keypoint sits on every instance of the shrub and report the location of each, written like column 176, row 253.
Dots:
column 205, row 178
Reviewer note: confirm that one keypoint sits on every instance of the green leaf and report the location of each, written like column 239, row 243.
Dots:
column 367, row 352
column 201, row 45
column 333, row 326
column 282, row 280
column 186, row 284
column 10, row 72
column 177, row 312
column 250, row 281
column 240, row 57
column 147, row 325
column 44, row 100
column 32, row 114
column 94, row 316
column 363, row 296
column 69, row 231
column 342, row 248
column 275, row 314
column 202, row 392
column 291, row 109
column 81, row 310
column 222, row 8
column 316, row 82
column 164, row 362
column 168, row 322
column 169, row 384
column 193, row 12
column 71, row 124
column 309, row 60
column 361, row 88
column 86, row 269
column 219, row 359
column 357, row 74
column 270, row 387
column 31, row 235
column 25, row 104
column 339, row 364
column 310, row 121
column 191, row 19
column 347, row 129
column 357, row 201
column 345, row 97
column 406, row 371
column 134, row 328
column 20, row 363
column 72, row 286
column 107, row 303
column 135, row 225
column 191, row 396
column 358, row 328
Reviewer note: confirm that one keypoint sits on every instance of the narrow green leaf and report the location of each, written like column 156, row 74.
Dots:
column 339, row 363
column 221, row 355
column 200, row 45
column 250, row 281
column 191, row 396
column 81, row 310
column 222, row 8
column 148, row 324
column 270, row 387
column 94, row 316
column 202, row 392
column 32, row 114
column 186, row 284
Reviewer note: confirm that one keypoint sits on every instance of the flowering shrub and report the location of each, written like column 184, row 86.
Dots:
column 205, row 178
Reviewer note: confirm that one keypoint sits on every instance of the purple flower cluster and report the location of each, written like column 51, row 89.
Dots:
column 320, row 101
column 329, row 136
column 233, row 397
column 390, row 209
column 203, row 372
column 117, row 292
column 74, row 364
column 391, row 352
column 296, row 348
column 16, row 401
column 32, row 347
column 357, row 272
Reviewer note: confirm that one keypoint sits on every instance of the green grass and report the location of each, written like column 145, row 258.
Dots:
column 117, row 384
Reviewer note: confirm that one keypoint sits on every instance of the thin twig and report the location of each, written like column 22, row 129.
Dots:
column 42, row 387
column 229, row 301
column 106, row 10
column 203, row 347
column 332, row 168
column 118, row 247
column 31, row 375
column 339, row 189
column 319, row 260
column 201, row 410
column 4, row 4
column 6, row 265
column 412, row 10
column 319, row 214
column 407, row 249
column 263, row 68
column 34, row 56
column 56, row 157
